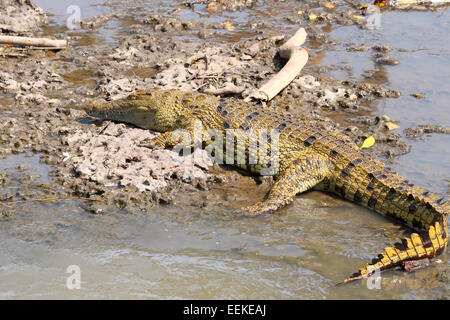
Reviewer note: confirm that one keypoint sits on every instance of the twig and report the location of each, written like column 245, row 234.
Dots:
column 10, row 203
column 38, row 42
column 13, row 55
column 46, row 48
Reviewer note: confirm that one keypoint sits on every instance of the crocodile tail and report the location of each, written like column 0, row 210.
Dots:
column 384, row 191
column 418, row 246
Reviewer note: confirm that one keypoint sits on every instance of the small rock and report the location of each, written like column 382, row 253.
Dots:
column 381, row 49
column 387, row 61
column 246, row 57
column 253, row 49
column 307, row 82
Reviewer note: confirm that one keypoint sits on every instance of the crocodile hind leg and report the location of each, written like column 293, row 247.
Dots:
column 299, row 175
column 416, row 247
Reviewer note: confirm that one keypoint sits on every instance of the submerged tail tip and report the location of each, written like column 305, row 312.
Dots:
column 354, row 277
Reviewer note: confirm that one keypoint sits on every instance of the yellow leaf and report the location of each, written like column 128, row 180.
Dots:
column 391, row 125
column 228, row 26
column 379, row 3
column 299, row 12
column 358, row 17
column 312, row 17
column 370, row 141
column 417, row 96
column 360, row 48
column 329, row 5
column 176, row 10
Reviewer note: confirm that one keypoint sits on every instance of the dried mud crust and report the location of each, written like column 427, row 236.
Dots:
column 42, row 113
column 223, row 4
column 426, row 129
column 20, row 17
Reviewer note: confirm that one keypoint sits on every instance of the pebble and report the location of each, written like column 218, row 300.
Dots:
column 387, row 61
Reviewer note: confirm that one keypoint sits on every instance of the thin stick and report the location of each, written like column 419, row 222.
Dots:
column 13, row 55
column 38, row 42
column 47, row 199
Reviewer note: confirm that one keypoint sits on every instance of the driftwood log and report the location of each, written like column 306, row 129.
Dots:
column 38, row 42
column 297, row 59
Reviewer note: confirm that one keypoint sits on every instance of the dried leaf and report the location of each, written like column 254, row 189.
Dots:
column 379, row 3
column 210, row 8
column 176, row 10
column 228, row 26
column 312, row 17
column 391, row 125
column 370, row 141
column 329, row 5
column 417, row 96
column 360, row 48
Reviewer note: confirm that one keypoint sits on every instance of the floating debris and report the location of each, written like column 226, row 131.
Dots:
column 228, row 26
column 417, row 96
column 391, row 125
column 410, row 3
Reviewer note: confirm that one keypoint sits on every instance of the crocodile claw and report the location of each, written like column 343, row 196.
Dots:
column 257, row 209
column 155, row 145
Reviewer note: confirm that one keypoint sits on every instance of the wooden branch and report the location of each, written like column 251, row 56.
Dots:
column 27, row 41
column 13, row 55
column 297, row 60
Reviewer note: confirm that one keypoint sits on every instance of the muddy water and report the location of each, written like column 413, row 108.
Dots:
column 416, row 39
column 195, row 248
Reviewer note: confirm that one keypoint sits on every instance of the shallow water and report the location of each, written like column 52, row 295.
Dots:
column 424, row 68
column 196, row 249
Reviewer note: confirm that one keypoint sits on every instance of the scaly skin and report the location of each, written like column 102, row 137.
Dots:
column 308, row 158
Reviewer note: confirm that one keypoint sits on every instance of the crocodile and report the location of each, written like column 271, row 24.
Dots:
column 308, row 157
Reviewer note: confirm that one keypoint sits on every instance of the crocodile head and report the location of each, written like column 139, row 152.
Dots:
column 157, row 110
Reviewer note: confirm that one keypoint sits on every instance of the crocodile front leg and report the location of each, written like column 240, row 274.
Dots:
column 184, row 137
column 301, row 174
column 162, row 141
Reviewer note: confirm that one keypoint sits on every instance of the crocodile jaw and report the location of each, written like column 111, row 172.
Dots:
column 128, row 112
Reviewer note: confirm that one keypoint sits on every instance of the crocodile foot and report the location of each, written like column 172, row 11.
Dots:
column 258, row 209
